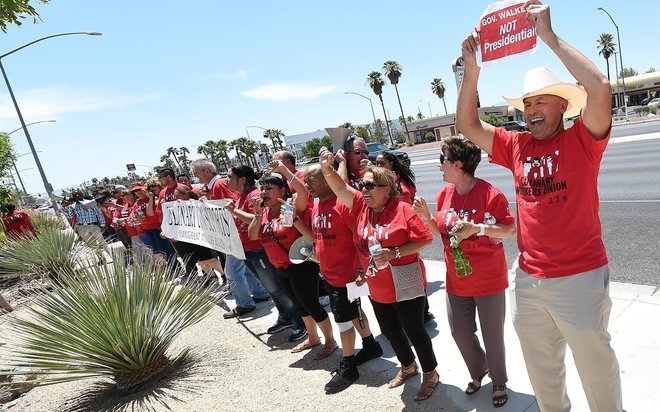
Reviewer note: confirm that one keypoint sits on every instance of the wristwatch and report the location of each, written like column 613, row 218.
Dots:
column 482, row 230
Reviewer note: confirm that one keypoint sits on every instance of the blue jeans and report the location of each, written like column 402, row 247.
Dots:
column 258, row 264
column 242, row 284
column 157, row 243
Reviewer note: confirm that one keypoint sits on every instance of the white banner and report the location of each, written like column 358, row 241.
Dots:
column 205, row 223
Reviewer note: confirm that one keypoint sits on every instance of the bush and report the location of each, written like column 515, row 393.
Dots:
column 429, row 137
column 106, row 322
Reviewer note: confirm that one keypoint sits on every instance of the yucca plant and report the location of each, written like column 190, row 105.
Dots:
column 43, row 222
column 109, row 323
column 51, row 252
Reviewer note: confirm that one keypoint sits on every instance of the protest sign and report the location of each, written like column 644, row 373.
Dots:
column 505, row 31
column 206, row 224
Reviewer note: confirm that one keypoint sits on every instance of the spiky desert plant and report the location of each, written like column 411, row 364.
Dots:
column 43, row 222
column 108, row 323
column 50, row 253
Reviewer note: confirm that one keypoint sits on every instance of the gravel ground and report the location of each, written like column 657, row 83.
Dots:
column 237, row 366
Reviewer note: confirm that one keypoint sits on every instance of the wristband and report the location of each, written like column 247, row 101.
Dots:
column 426, row 222
column 295, row 219
column 482, row 230
column 328, row 174
column 397, row 253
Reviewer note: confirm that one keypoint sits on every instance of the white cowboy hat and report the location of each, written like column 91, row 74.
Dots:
column 542, row 81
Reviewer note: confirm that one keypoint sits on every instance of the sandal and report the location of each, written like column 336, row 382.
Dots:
column 326, row 350
column 404, row 373
column 500, row 400
column 472, row 386
column 429, row 381
column 306, row 344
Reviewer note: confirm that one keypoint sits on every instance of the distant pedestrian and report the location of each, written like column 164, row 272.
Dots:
column 17, row 223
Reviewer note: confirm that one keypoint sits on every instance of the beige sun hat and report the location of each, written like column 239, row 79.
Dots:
column 540, row 81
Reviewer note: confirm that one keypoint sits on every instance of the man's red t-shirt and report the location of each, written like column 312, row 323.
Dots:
column 18, row 224
column 396, row 225
column 556, row 182
column 168, row 194
column 489, row 268
column 333, row 238
column 220, row 190
column 244, row 203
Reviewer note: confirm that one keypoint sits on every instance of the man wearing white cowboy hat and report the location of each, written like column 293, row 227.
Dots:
column 561, row 293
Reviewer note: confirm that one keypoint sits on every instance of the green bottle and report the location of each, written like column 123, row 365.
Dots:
column 461, row 262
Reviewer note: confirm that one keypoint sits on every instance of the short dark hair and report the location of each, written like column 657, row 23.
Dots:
column 274, row 179
column 459, row 148
column 247, row 172
column 286, row 155
column 167, row 172
column 183, row 174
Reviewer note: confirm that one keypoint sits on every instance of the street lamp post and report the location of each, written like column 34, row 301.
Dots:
column 623, row 78
column 23, row 154
column 267, row 154
column 47, row 185
column 372, row 108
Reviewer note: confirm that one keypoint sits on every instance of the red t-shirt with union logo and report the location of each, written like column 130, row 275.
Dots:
column 396, row 225
column 333, row 239
column 244, row 203
column 271, row 229
column 489, row 268
column 556, row 182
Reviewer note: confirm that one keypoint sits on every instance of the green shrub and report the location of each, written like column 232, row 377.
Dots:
column 106, row 322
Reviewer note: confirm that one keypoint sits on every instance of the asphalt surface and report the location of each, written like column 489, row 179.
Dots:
column 629, row 189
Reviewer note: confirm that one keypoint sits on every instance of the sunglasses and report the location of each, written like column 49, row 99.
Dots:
column 360, row 152
column 369, row 185
column 443, row 158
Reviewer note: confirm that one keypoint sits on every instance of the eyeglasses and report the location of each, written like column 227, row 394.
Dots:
column 359, row 152
column 369, row 185
column 443, row 158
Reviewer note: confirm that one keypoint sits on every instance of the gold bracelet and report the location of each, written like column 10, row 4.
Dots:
column 426, row 222
column 328, row 174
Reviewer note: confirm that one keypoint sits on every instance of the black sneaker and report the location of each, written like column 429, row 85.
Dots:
column 428, row 316
column 297, row 334
column 342, row 378
column 278, row 326
column 368, row 353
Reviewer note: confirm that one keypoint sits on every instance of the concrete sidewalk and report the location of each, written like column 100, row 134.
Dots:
column 635, row 338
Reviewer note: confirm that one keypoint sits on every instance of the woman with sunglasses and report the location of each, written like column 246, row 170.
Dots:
column 402, row 235
column 300, row 281
column 405, row 177
column 477, row 215
column 123, row 219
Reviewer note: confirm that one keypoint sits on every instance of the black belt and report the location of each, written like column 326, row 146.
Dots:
column 87, row 224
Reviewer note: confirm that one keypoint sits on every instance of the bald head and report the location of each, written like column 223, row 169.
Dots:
column 315, row 183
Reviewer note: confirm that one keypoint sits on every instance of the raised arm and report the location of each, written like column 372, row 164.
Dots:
column 596, row 115
column 422, row 209
column 467, row 117
column 302, row 196
column 344, row 192
column 255, row 224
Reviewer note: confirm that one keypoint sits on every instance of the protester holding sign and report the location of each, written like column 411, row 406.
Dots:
column 561, row 293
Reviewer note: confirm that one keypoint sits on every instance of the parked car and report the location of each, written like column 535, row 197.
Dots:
column 644, row 102
column 653, row 102
column 375, row 148
column 516, row 125
column 314, row 159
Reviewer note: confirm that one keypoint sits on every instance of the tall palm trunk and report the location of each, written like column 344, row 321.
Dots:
column 403, row 116
column 444, row 104
column 387, row 123
column 607, row 61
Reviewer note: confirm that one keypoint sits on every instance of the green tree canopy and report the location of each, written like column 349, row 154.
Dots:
column 313, row 146
column 493, row 120
column 13, row 11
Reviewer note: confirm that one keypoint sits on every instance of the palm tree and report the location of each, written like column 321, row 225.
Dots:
column 275, row 135
column 376, row 82
column 347, row 125
column 183, row 158
column 236, row 144
column 392, row 70
column 222, row 148
column 606, row 49
column 173, row 151
column 438, row 88
column 208, row 149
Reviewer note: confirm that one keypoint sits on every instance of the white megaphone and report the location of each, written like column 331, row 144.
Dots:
column 302, row 250
column 338, row 135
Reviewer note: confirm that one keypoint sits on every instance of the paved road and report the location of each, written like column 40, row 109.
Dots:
column 629, row 186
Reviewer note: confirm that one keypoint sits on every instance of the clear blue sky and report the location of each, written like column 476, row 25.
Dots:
column 167, row 74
